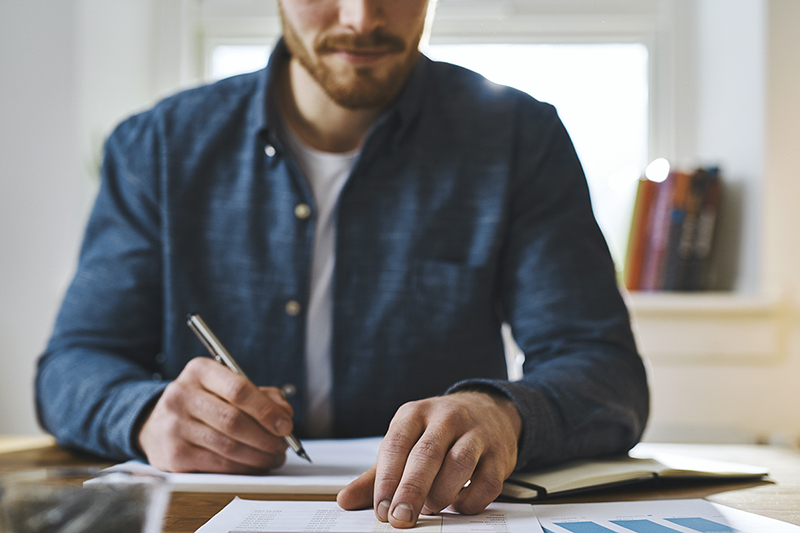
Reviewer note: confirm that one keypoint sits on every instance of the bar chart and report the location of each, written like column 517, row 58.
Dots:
column 659, row 516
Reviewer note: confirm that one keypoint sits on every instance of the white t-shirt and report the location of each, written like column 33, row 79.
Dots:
column 326, row 174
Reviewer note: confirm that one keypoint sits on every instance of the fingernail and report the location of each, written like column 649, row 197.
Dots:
column 383, row 510
column 283, row 426
column 402, row 512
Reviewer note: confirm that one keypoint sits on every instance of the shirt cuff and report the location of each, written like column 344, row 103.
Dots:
column 140, row 397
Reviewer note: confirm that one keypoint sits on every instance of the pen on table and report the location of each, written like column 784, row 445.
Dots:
column 218, row 351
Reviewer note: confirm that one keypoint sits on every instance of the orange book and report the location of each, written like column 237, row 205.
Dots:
column 637, row 238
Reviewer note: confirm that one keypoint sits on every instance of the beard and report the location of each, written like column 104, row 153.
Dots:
column 354, row 87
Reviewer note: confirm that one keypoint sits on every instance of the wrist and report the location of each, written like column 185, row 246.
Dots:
column 139, row 426
column 499, row 399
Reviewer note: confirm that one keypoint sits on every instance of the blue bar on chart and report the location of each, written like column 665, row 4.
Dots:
column 584, row 527
column 701, row 524
column 643, row 526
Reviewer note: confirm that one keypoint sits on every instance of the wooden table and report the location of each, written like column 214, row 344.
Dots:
column 779, row 497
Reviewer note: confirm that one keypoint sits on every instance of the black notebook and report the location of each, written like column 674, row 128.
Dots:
column 591, row 474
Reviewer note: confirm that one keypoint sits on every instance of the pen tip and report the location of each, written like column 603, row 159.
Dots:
column 304, row 455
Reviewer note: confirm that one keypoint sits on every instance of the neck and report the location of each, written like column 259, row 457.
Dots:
column 319, row 121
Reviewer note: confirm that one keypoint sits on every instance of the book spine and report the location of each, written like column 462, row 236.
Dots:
column 694, row 200
column 638, row 236
column 677, row 219
column 652, row 275
column 706, row 222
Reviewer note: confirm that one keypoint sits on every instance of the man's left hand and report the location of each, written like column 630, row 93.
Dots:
column 432, row 449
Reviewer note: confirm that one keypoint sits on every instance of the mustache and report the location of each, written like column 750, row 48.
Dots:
column 377, row 39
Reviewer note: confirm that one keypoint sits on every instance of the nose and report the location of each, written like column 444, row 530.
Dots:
column 362, row 16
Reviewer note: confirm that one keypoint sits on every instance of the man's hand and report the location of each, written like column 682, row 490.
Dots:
column 212, row 420
column 432, row 449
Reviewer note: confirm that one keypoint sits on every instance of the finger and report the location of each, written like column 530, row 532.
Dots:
column 422, row 466
column 207, row 438
column 220, row 416
column 458, row 467
column 358, row 493
column 268, row 409
column 198, row 459
column 485, row 486
column 404, row 431
column 178, row 443
column 277, row 396
column 234, row 387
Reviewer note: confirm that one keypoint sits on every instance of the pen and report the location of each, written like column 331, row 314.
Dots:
column 218, row 351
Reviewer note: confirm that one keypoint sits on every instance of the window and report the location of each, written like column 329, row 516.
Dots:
column 230, row 59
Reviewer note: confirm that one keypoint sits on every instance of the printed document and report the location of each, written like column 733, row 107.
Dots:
column 248, row 516
column 657, row 516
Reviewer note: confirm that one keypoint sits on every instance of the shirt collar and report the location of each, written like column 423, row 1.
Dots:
column 410, row 101
column 266, row 102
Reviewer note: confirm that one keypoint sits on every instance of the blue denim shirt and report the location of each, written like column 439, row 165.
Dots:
column 467, row 207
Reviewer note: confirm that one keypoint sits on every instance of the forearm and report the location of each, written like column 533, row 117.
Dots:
column 92, row 401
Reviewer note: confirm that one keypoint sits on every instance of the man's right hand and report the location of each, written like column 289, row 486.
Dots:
column 212, row 420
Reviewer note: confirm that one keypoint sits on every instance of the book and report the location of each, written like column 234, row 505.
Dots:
column 672, row 232
column 686, row 242
column 700, row 250
column 638, row 466
column 669, row 278
column 658, row 235
column 637, row 237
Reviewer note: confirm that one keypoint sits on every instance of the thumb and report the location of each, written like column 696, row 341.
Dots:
column 358, row 494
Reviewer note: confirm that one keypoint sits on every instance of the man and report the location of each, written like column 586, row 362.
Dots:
column 354, row 222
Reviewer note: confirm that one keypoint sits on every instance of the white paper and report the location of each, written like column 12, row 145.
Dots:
column 248, row 516
column 336, row 463
column 679, row 461
column 659, row 516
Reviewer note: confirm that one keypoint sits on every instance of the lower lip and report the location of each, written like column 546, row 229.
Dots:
column 362, row 58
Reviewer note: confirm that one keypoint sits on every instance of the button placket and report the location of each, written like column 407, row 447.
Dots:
column 302, row 211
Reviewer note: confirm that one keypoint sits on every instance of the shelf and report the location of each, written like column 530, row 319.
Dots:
column 705, row 303
column 709, row 328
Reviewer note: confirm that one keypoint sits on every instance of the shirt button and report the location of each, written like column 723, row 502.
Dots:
column 292, row 308
column 302, row 211
column 269, row 150
column 289, row 390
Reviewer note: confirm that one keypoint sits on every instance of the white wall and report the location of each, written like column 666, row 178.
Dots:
column 730, row 73
column 40, row 177
column 69, row 70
